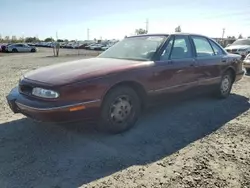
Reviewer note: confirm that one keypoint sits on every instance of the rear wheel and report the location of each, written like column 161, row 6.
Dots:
column 14, row 50
column 120, row 110
column 225, row 86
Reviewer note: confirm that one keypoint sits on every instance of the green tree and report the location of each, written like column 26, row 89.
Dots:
column 31, row 39
column 59, row 40
column 14, row 39
column 240, row 36
column 50, row 39
column 141, row 31
column 7, row 39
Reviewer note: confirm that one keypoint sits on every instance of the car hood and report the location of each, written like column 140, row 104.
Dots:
column 80, row 70
column 237, row 47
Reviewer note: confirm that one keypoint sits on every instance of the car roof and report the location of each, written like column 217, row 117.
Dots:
column 243, row 39
column 165, row 34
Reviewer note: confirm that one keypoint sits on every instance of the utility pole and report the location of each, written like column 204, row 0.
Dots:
column 88, row 34
column 223, row 32
column 56, row 35
column 147, row 23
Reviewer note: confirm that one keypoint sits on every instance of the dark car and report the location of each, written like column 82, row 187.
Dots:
column 3, row 47
column 116, row 85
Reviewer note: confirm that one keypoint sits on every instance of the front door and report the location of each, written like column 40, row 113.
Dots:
column 175, row 71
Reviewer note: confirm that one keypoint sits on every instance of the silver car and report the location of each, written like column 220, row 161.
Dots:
column 247, row 63
column 20, row 48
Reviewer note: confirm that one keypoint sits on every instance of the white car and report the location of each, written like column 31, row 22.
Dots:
column 241, row 47
column 96, row 47
column 20, row 48
column 106, row 47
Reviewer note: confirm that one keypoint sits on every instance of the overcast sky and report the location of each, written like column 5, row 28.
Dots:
column 117, row 18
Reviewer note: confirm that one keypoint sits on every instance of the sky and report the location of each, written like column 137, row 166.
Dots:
column 114, row 19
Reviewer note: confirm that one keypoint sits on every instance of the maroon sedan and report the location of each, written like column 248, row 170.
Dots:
column 116, row 85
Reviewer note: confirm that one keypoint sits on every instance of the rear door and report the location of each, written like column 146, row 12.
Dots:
column 19, row 47
column 175, row 71
column 209, row 58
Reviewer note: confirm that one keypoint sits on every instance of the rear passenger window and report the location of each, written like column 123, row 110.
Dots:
column 217, row 49
column 203, row 48
column 181, row 48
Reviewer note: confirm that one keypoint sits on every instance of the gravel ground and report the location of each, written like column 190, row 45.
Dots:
column 201, row 142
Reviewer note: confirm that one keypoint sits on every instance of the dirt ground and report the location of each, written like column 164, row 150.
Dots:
column 201, row 142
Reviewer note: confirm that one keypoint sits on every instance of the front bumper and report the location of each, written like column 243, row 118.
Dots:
column 50, row 111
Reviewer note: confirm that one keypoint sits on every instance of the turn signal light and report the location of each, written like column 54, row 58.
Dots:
column 76, row 108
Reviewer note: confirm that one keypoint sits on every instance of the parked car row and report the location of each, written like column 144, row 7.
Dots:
column 90, row 45
column 17, row 47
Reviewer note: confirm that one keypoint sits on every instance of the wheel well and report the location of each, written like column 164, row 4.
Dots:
column 137, row 87
column 232, row 72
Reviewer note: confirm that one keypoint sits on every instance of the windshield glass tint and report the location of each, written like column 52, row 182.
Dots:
column 242, row 42
column 135, row 48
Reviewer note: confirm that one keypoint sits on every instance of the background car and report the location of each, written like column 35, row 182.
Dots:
column 3, row 47
column 241, row 47
column 20, row 48
column 247, row 63
column 96, row 47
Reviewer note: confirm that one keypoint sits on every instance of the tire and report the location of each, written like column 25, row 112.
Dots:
column 225, row 86
column 33, row 50
column 120, row 110
column 14, row 50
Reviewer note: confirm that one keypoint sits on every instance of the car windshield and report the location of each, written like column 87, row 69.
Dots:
column 134, row 48
column 242, row 42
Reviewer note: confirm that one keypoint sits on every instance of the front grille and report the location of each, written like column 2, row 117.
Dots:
column 25, row 89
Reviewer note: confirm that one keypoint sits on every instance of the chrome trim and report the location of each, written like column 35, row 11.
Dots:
column 172, row 87
column 209, row 79
column 56, row 108
column 186, row 84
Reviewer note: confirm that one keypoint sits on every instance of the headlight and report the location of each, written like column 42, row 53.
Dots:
column 44, row 93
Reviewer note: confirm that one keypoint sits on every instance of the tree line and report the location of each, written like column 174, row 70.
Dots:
column 14, row 39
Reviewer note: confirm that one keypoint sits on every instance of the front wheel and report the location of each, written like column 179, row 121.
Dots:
column 120, row 110
column 225, row 85
column 14, row 50
column 33, row 50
